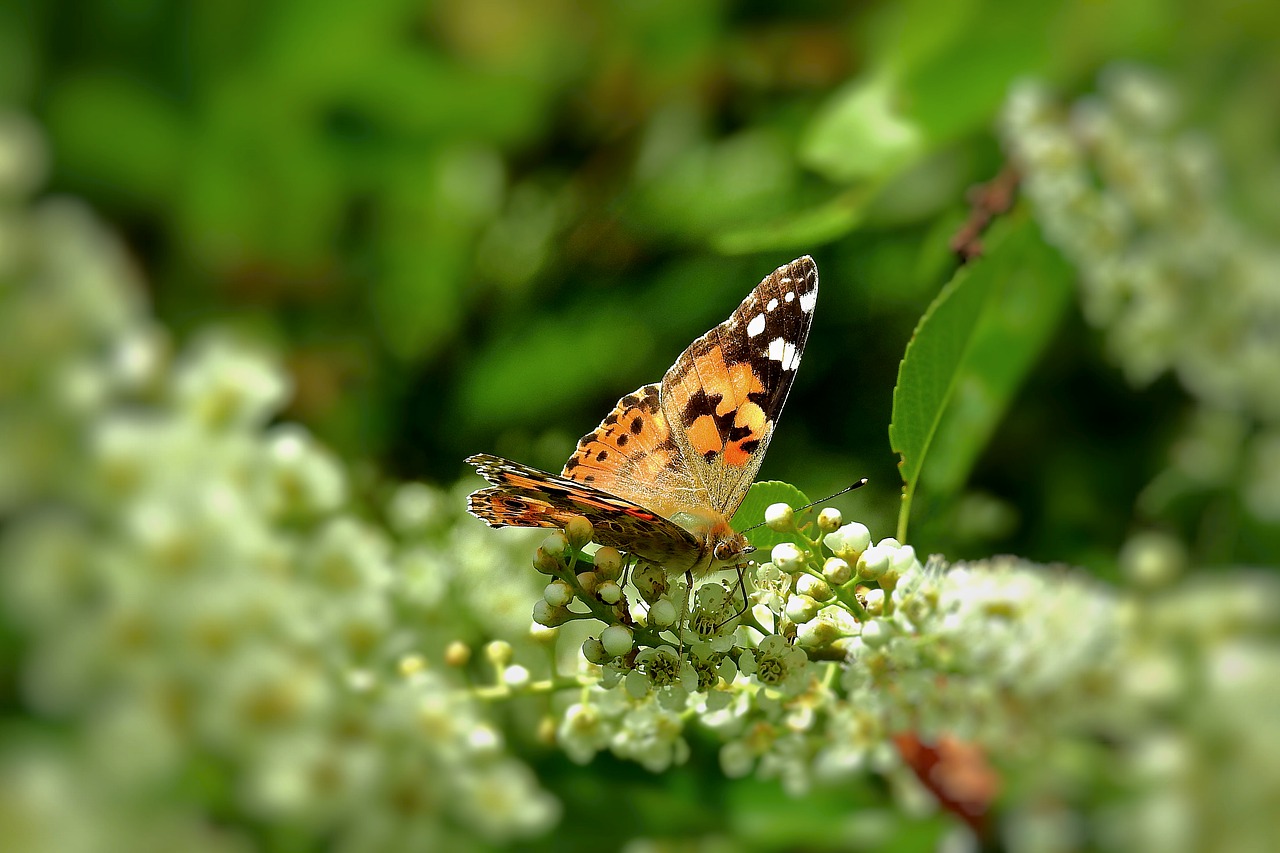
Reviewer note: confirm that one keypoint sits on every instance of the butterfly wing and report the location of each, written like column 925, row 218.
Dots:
column 633, row 455
column 522, row 496
column 724, row 394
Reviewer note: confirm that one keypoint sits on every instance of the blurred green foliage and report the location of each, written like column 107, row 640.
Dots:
column 471, row 225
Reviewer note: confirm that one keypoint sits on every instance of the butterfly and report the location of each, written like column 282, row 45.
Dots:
column 668, row 467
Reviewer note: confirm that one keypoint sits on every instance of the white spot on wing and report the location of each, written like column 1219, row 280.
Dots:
column 773, row 303
column 756, row 326
column 791, row 295
column 808, row 300
column 783, row 352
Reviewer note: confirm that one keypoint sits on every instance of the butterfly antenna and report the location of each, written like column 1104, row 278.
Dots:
column 843, row 491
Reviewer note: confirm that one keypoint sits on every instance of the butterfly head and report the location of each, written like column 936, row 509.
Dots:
column 731, row 550
column 722, row 546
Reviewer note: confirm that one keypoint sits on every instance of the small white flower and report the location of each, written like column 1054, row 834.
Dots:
column 737, row 759
column 582, row 732
column 653, row 736
column 776, row 663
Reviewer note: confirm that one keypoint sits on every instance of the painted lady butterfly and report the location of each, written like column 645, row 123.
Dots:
column 666, row 470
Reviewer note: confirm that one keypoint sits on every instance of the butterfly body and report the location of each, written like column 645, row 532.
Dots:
column 664, row 472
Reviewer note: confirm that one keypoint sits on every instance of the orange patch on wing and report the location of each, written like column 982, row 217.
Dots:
column 744, row 382
column 709, row 371
column 525, row 482
column 751, row 417
column 704, row 438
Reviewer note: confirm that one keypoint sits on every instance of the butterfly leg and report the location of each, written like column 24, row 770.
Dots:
column 684, row 611
column 746, row 604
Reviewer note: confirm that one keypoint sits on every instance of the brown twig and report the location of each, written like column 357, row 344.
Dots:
column 986, row 202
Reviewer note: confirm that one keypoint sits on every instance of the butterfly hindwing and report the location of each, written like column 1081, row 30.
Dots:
column 725, row 392
column 522, row 496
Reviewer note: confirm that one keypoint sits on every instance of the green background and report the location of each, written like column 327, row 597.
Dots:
column 471, row 226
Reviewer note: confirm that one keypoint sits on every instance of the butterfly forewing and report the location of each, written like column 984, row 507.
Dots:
column 725, row 392
column 633, row 455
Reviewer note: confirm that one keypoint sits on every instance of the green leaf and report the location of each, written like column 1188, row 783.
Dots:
column 862, row 134
column 751, row 513
column 969, row 354
column 801, row 228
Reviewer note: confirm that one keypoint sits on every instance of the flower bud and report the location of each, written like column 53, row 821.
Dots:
column 557, row 593
column 593, row 650
column 787, row 557
column 609, row 592
column 456, row 654
column 815, row 588
column 515, row 676
column 663, row 613
column 873, row 562
column 550, row 556
column 551, row 617
column 779, row 517
column 817, row 632
column 616, row 640
column 578, row 531
column 903, row 560
column 1151, row 559
column 874, row 601
column 801, row 608
column 589, row 581
column 546, row 562
column 499, row 652
column 875, row 633
column 555, row 544
column 837, row 571
column 849, row 541
column 608, row 562
column 650, row 581
column 830, row 519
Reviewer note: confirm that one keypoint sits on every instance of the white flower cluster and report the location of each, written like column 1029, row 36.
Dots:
column 961, row 679
column 1178, row 283
column 192, row 599
column 1137, row 205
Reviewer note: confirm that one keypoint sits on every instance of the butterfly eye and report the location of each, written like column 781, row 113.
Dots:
column 723, row 552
